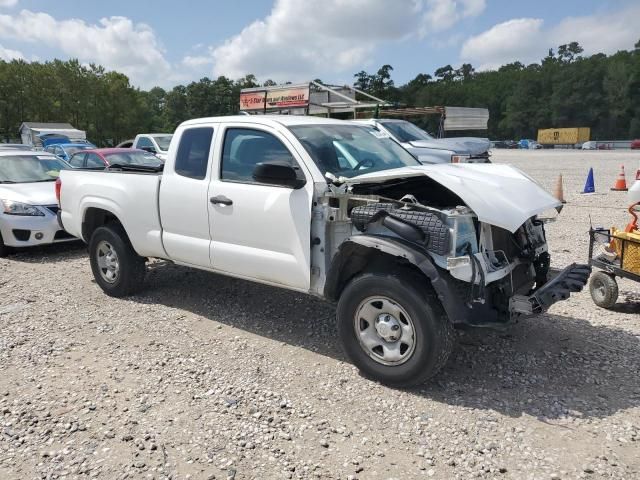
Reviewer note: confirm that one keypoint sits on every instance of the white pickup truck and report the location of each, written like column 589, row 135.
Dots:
column 156, row 143
column 336, row 210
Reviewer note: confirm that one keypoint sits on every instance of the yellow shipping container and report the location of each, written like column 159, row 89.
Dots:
column 564, row 136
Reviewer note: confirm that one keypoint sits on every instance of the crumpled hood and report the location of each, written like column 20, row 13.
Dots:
column 42, row 193
column 459, row 145
column 500, row 195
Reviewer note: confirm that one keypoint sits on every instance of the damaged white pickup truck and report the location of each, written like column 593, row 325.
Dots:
column 335, row 210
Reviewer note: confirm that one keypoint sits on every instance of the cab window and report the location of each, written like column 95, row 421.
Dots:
column 244, row 148
column 193, row 152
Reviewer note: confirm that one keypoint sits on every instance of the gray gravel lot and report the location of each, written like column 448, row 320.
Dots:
column 203, row 376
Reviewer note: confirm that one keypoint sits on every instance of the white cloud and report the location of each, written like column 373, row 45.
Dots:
column 7, row 54
column 299, row 39
column 8, row 3
column 115, row 42
column 517, row 39
column 443, row 14
column 195, row 61
column 528, row 39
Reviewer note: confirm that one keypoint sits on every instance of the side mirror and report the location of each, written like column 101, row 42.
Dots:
column 149, row 149
column 278, row 173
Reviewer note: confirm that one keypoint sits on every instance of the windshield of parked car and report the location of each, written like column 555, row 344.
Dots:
column 406, row 131
column 163, row 141
column 351, row 150
column 30, row 168
column 133, row 158
column 77, row 148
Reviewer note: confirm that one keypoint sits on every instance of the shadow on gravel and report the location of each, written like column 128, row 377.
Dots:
column 52, row 253
column 549, row 367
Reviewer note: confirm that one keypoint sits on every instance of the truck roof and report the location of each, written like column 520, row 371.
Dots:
column 286, row 120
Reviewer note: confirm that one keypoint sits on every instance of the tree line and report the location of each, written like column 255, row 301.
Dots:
column 566, row 89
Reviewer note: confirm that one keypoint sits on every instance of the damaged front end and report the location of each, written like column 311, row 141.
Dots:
column 484, row 274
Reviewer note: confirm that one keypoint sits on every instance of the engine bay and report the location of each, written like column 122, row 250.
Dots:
column 487, row 263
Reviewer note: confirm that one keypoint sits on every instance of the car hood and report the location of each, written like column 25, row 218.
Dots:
column 42, row 193
column 459, row 145
column 500, row 195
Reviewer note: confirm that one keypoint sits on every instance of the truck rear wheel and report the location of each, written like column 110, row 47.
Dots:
column 393, row 328
column 117, row 268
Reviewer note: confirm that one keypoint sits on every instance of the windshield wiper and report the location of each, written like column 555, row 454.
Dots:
column 45, row 180
column 7, row 181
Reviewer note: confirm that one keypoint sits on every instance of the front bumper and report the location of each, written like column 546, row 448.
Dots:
column 499, row 307
column 570, row 280
column 27, row 231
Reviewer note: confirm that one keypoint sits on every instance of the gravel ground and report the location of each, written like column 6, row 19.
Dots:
column 203, row 376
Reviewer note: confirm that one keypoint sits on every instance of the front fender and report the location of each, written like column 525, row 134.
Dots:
column 397, row 248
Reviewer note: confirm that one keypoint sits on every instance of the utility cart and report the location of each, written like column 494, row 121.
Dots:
column 615, row 254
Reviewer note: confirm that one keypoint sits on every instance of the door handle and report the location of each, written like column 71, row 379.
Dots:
column 221, row 200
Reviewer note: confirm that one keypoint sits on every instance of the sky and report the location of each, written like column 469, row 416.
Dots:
column 165, row 43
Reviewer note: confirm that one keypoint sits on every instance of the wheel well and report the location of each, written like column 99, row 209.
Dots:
column 94, row 218
column 355, row 259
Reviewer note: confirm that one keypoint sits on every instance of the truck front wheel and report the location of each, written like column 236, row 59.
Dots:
column 393, row 328
column 117, row 268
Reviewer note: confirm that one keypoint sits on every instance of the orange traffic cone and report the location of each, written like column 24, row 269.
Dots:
column 621, row 181
column 559, row 191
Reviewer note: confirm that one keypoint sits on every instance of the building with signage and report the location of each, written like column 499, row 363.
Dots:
column 312, row 98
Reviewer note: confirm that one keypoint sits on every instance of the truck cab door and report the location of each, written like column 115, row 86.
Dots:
column 183, row 197
column 259, row 231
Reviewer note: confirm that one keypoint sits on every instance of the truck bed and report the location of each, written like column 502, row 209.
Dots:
column 115, row 190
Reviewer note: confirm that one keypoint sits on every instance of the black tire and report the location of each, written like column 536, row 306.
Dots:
column 130, row 266
column 434, row 334
column 4, row 250
column 603, row 289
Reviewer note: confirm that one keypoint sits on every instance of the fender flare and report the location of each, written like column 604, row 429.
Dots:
column 396, row 247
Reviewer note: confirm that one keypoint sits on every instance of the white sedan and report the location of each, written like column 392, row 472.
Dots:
column 28, row 205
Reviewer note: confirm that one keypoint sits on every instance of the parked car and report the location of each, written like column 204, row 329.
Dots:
column 28, row 199
column 15, row 146
column 104, row 157
column 528, row 144
column 635, row 144
column 590, row 145
column 66, row 150
column 406, row 250
column 502, row 144
column 428, row 149
column 156, row 143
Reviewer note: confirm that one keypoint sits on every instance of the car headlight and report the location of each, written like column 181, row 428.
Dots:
column 16, row 208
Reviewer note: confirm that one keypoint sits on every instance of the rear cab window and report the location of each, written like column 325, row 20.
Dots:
column 192, row 158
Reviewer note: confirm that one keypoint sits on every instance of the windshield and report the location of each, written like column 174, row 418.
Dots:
column 351, row 150
column 30, row 168
column 133, row 158
column 406, row 132
column 163, row 141
column 72, row 150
